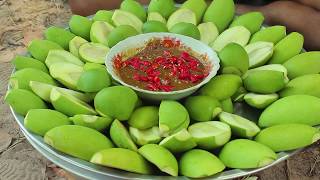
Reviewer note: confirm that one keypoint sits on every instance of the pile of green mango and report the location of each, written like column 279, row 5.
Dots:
column 66, row 95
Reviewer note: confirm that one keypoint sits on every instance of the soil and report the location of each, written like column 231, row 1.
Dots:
column 23, row 20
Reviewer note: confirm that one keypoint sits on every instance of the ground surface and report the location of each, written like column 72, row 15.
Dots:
column 23, row 20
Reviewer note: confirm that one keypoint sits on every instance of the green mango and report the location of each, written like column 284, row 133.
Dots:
column 147, row 136
column 220, row 12
column 222, row 86
column 75, row 44
column 100, row 31
column 17, row 99
column 236, row 97
column 186, row 29
column 285, row 137
column 171, row 116
column 288, row 47
column 202, row 108
column 103, row 15
column 93, row 52
column 121, row 17
column 260, row 101
column 259, row 53
column 90, row 121
column 271, row 34
column 251, row 20
column 198, row 163
column 237, row 34
column 135, row 8
column 144, row 117
column 39, row 49
column 59, row 36
column 154, row 26
column 21, row 78
column 69, row 105
column 89, row 66
column 302, row 109
column 62, row 56
column 307, row 84
column 93, row 80
column 164, row 7
column 245, row 154
column 234, row 55
column 120, row 136
column 155, row 16
column 227, row 105
column 22, row 62
column 182, row 15
column 123, row 159
column 304, row 63
column 120, row 33
column 211, row 134
column 116, row 101
column 272, row 67
column 208, row 32
column 264, row 81
column 80, row 26
column 40, row 121
column 77, row 141
column 197, row 6
column 240, row 126
column 160, row 157
column 179, row 142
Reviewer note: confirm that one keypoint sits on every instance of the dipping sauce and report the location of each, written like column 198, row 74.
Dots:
column 162, row 65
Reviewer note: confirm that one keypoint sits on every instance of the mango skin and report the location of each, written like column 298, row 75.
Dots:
column 77, row 141
column 222, row 87
column 103, row 15
column 271, row 34
column 186, row 29
column 197, row 6
column 144, row 117
column 287, row 137
column 307, row 84
column 179, row 142
column 252, row 21
column 17, row 99
column 164, row 7
column 120, row 136
column 59, row 36
column 40, row 121
column 39, row 49
column 227, row 105
column 304, row 63
column 288, row 47
column 244, row 154
column 22, row 62
column 120, row 33
column 91, row 121
column 154, row 26
column 303, row 109
column 220, row 12
column 80, row 26
column 94, row 80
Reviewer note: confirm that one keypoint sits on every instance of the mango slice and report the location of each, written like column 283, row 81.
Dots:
column 99, row 32
column 93, row 52
column 80, row 26
column 238, row 96
column 154, row 26
column 77, row 141
column 259, row 53
column 119, row 158
column 39, row 49
column 252, row 21
column 75, row 44
column 120, row 33
column 161, row 157
column 273, row 67
column 147, row 136
column 198, row 163
column 59, row 36
column 164, row 7
column 144, row 117
column 22, row 62
column 271, row 34
column 59, row 56
column 227, row 105
column 121, row 17
column 260, row 101
column 182, row 15
column 135, row 8
column 40, row 121
column 155, row 16
column 90, row 121
column 197, row 6
column 89, row 66
column 93, row 80
column 208, row 32
column 244, row 154
column 103, row 15
column 179, row 142
column 120, row 136
column 186, row 29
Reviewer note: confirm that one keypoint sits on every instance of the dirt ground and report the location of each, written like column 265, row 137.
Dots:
column 23, row 20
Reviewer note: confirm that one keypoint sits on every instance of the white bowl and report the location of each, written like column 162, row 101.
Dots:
column 140, row 41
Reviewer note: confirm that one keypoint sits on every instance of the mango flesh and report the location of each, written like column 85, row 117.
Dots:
column 135, row 8
column 252, row 21
column 17, row 99
column 222, row 87
column 90, row 65
column 93, row 80
column 182, row 15
column 179, row 142
column 220, row 12
column 164, row 7
column 22, row 62
column 90, row 121
column 120, row 136
column 202, row 108
column 208, row 32
column 77, row 141
column 99, row 32
column 271, row 34
column 80, row 26
column 59, row 36
column 161, row 157
column 154, row 26
column 227, row 105
column 117, row 102
column 93, row 52
column 147, row 136
column 272, row 67
column 75, row 44
column 186, row 29
column 303, row 109
column 144, row 117
column 62, row 56
column 120, row 33
column 237, row 34
column 40, row 121
column 197, row 6
column 211, row 134
column 288, row 47
column 259, row 53
column 155, row 16
column 245, row 154
column 103, row 15
column 121, row 17
column 39, row 49
column 284, row 137
column 260, row 101
column 118, row 158
column 198, row 163
column 304, row 63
